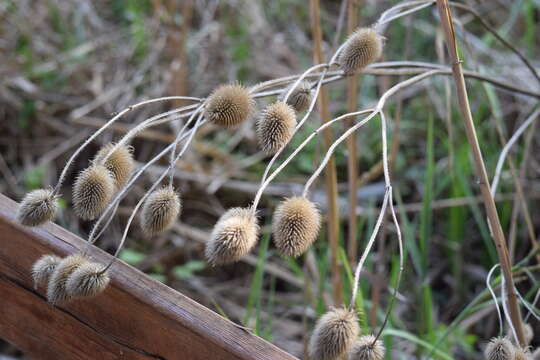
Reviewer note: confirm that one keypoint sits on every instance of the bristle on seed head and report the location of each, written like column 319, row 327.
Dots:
column 333, row 335
column 295, row 226
column 43, row 268
column 522, row 354
column 92, row 191
column 233, row 236
column 56, row 291
column 276, row 127
column 229, row 105
column 362, row 48
column 499, row 348
column 37, row 207
column 87, row 280
column 120, row 163
column 160, row 211
column 366, row 348
column 300, row 97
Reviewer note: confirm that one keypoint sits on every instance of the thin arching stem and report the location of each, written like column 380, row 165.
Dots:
column 495, row 301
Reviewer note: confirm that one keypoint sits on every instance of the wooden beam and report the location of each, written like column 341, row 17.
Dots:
column 137, row 317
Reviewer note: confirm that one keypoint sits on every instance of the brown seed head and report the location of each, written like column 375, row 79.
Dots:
column 295, row 226
column 37, row 207
column 56, row 291
column 276, row 127
column 499, row 348
column 87, row 280
column 43, row 268
column 522, row 354
column 300, row 97
column 120, row 164
column 362, row 48
column 92, row 191
column 160, row 211
column 366, row 348
column 229, row 105
column 233, row 236
column 334, row 334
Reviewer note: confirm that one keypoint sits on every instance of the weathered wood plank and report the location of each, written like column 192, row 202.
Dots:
column 137, row 317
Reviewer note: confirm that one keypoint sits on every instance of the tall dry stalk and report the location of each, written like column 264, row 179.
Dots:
column 489, row 203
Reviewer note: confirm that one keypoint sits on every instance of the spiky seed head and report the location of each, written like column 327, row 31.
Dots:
column 37, row 207
column 366, row 348
column 333, row 335
column 120, row 164
column 87, row 280
column 43, row 268
column 300, row 97
column 276, row 127
column 92, row 191
column 233, row 236
column 229, row 105
column 522, row 354
column 56, row 291
column 295, row 226
column 499, row 348
column 363, row 47
column 160, row 211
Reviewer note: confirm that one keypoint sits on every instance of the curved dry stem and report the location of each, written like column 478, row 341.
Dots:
column 495, row 301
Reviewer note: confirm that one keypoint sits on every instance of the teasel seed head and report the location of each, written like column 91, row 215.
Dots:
column 333, row 335
column 229, row 105
column 87, row 280
column 499, row 348
column 300, row 97
column 522, row 354
column 56, row 291
column 38, row 207
column 295, row 226
column 363, row 47
column 233, row 236
column 92, row 191
column 276, row 127
column 366, row 348
column 160, row 211
column 120, row 164
column 43, row 268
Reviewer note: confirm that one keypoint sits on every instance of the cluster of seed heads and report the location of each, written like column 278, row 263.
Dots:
column 276, row 127
column 362, row 48
column 501, row 348
column 160, row 211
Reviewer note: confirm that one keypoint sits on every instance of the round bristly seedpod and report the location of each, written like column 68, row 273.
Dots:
column 120, row 163
column 37, row 207
column 275, row 127
column 87, row 280
column 92, row 191
column 522, row 354
column 300, row 97
column 366, row 348
column 295, row 226
column 56, row 291
column 499, row 348
column 43, row 268
column 334, row 334
column 363, row 47
column 160, row 211
column 233, row 236
column 229, row 105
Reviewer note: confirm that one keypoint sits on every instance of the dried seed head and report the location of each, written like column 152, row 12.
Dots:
column 87, row 280
column 276, row 127
column 160, row 211
column 43, row 268
column 56, row 291
column 37, row 207
column 362, row 48
column 366, row 348
column 233, row 236
column 300, row 97
column 295, row 226
column 522, row 354
column 334, row 334
column 120, row 163
column 92, row 191
column 229, row 105
column 499, row 348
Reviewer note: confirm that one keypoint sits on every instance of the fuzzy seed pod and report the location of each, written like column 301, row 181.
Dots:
column 362, row 48
column 334, row 334
column 276, row 127
column 522, row 354
column 87, row 280
column 233, row 236
column 120, row 163
column 43, row 268
column 160, row 211
column 37, row 207
column 295, row 226
column 366, row 348
column 229, row 105
column 300, row 97
column 56, row 292
column 92, row 191
column 499, row 348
